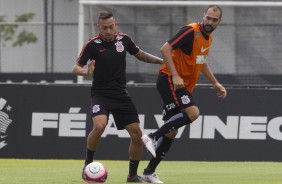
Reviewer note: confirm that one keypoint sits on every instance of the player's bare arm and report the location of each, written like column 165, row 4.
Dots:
column 148, row 58
column 166, row 51
column 79, row 70
column 221, row 91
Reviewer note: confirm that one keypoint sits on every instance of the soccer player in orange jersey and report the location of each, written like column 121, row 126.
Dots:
column 185, row 56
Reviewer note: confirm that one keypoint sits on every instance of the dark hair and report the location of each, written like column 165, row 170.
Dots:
column 215, row 8
column 105, row 14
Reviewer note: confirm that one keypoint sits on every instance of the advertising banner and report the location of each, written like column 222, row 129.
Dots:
column 52, row 121
column 38, row 78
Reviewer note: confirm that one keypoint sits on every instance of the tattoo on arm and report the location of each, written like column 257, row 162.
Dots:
column 149, row 58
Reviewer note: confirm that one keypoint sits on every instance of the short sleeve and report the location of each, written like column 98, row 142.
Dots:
column 132, row 47
column 84, row 54
column 185, row 35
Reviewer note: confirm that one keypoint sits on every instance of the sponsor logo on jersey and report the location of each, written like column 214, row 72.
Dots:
column 170, row 106
column 201, row 59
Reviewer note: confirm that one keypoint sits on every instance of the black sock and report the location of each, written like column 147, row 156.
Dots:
column 133, row 166
column 89, row 156
column 162, row 149
column 172, row 124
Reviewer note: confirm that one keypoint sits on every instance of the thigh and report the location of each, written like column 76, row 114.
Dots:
column 134, row 130
column 125, row 114
column 99, row 106
column 192, row 112
column 100, row 122
column 173, row 101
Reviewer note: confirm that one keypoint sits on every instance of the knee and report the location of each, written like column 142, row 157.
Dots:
column 134, row 132
column 193, row 113
column 136, row 136
column 99, row 124
column 99, row 127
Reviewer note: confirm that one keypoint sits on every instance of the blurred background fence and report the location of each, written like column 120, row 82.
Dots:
column 246, row 48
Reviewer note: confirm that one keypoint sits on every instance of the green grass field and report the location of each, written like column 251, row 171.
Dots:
column 19, row 171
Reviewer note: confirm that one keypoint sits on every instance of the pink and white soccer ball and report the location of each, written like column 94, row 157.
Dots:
column 95, row 172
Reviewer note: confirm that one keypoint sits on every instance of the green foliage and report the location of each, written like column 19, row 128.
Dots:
column 24, row 17
column 10, row 32
column 24, row 37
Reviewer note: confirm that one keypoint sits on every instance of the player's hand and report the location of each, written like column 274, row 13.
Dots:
column 221, row 91
column 177, row 82
column 91, row 67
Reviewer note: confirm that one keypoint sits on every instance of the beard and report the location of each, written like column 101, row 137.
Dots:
column 208, row 28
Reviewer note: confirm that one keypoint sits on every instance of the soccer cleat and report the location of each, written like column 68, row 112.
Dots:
column 149, row 144
column 83, row 175
column 135, row 179
column 151, row 178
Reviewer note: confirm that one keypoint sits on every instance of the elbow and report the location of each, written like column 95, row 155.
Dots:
column 74, row 69
column 162, row 49
column 165, row 48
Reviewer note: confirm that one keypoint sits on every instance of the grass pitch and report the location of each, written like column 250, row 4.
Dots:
column 15, row 171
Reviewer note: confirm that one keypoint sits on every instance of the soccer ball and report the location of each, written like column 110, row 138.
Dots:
column 95, row 172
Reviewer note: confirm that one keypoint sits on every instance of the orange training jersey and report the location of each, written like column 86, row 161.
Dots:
column 190, row 66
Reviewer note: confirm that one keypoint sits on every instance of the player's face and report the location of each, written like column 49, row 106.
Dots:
column 211, row 20
column 107, row 28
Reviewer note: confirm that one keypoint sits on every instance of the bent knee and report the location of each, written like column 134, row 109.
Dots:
column 134, row 132
column 137, row 133
column 136, row 138
column 99, row 127
column 193, row 113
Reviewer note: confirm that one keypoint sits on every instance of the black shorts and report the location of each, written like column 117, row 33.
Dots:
column 123, row 110
column 173, row 101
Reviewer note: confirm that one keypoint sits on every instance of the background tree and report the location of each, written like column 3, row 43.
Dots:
column 9, row 32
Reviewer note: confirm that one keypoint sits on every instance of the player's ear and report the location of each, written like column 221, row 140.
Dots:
column 204, row 16
column 98, row 26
